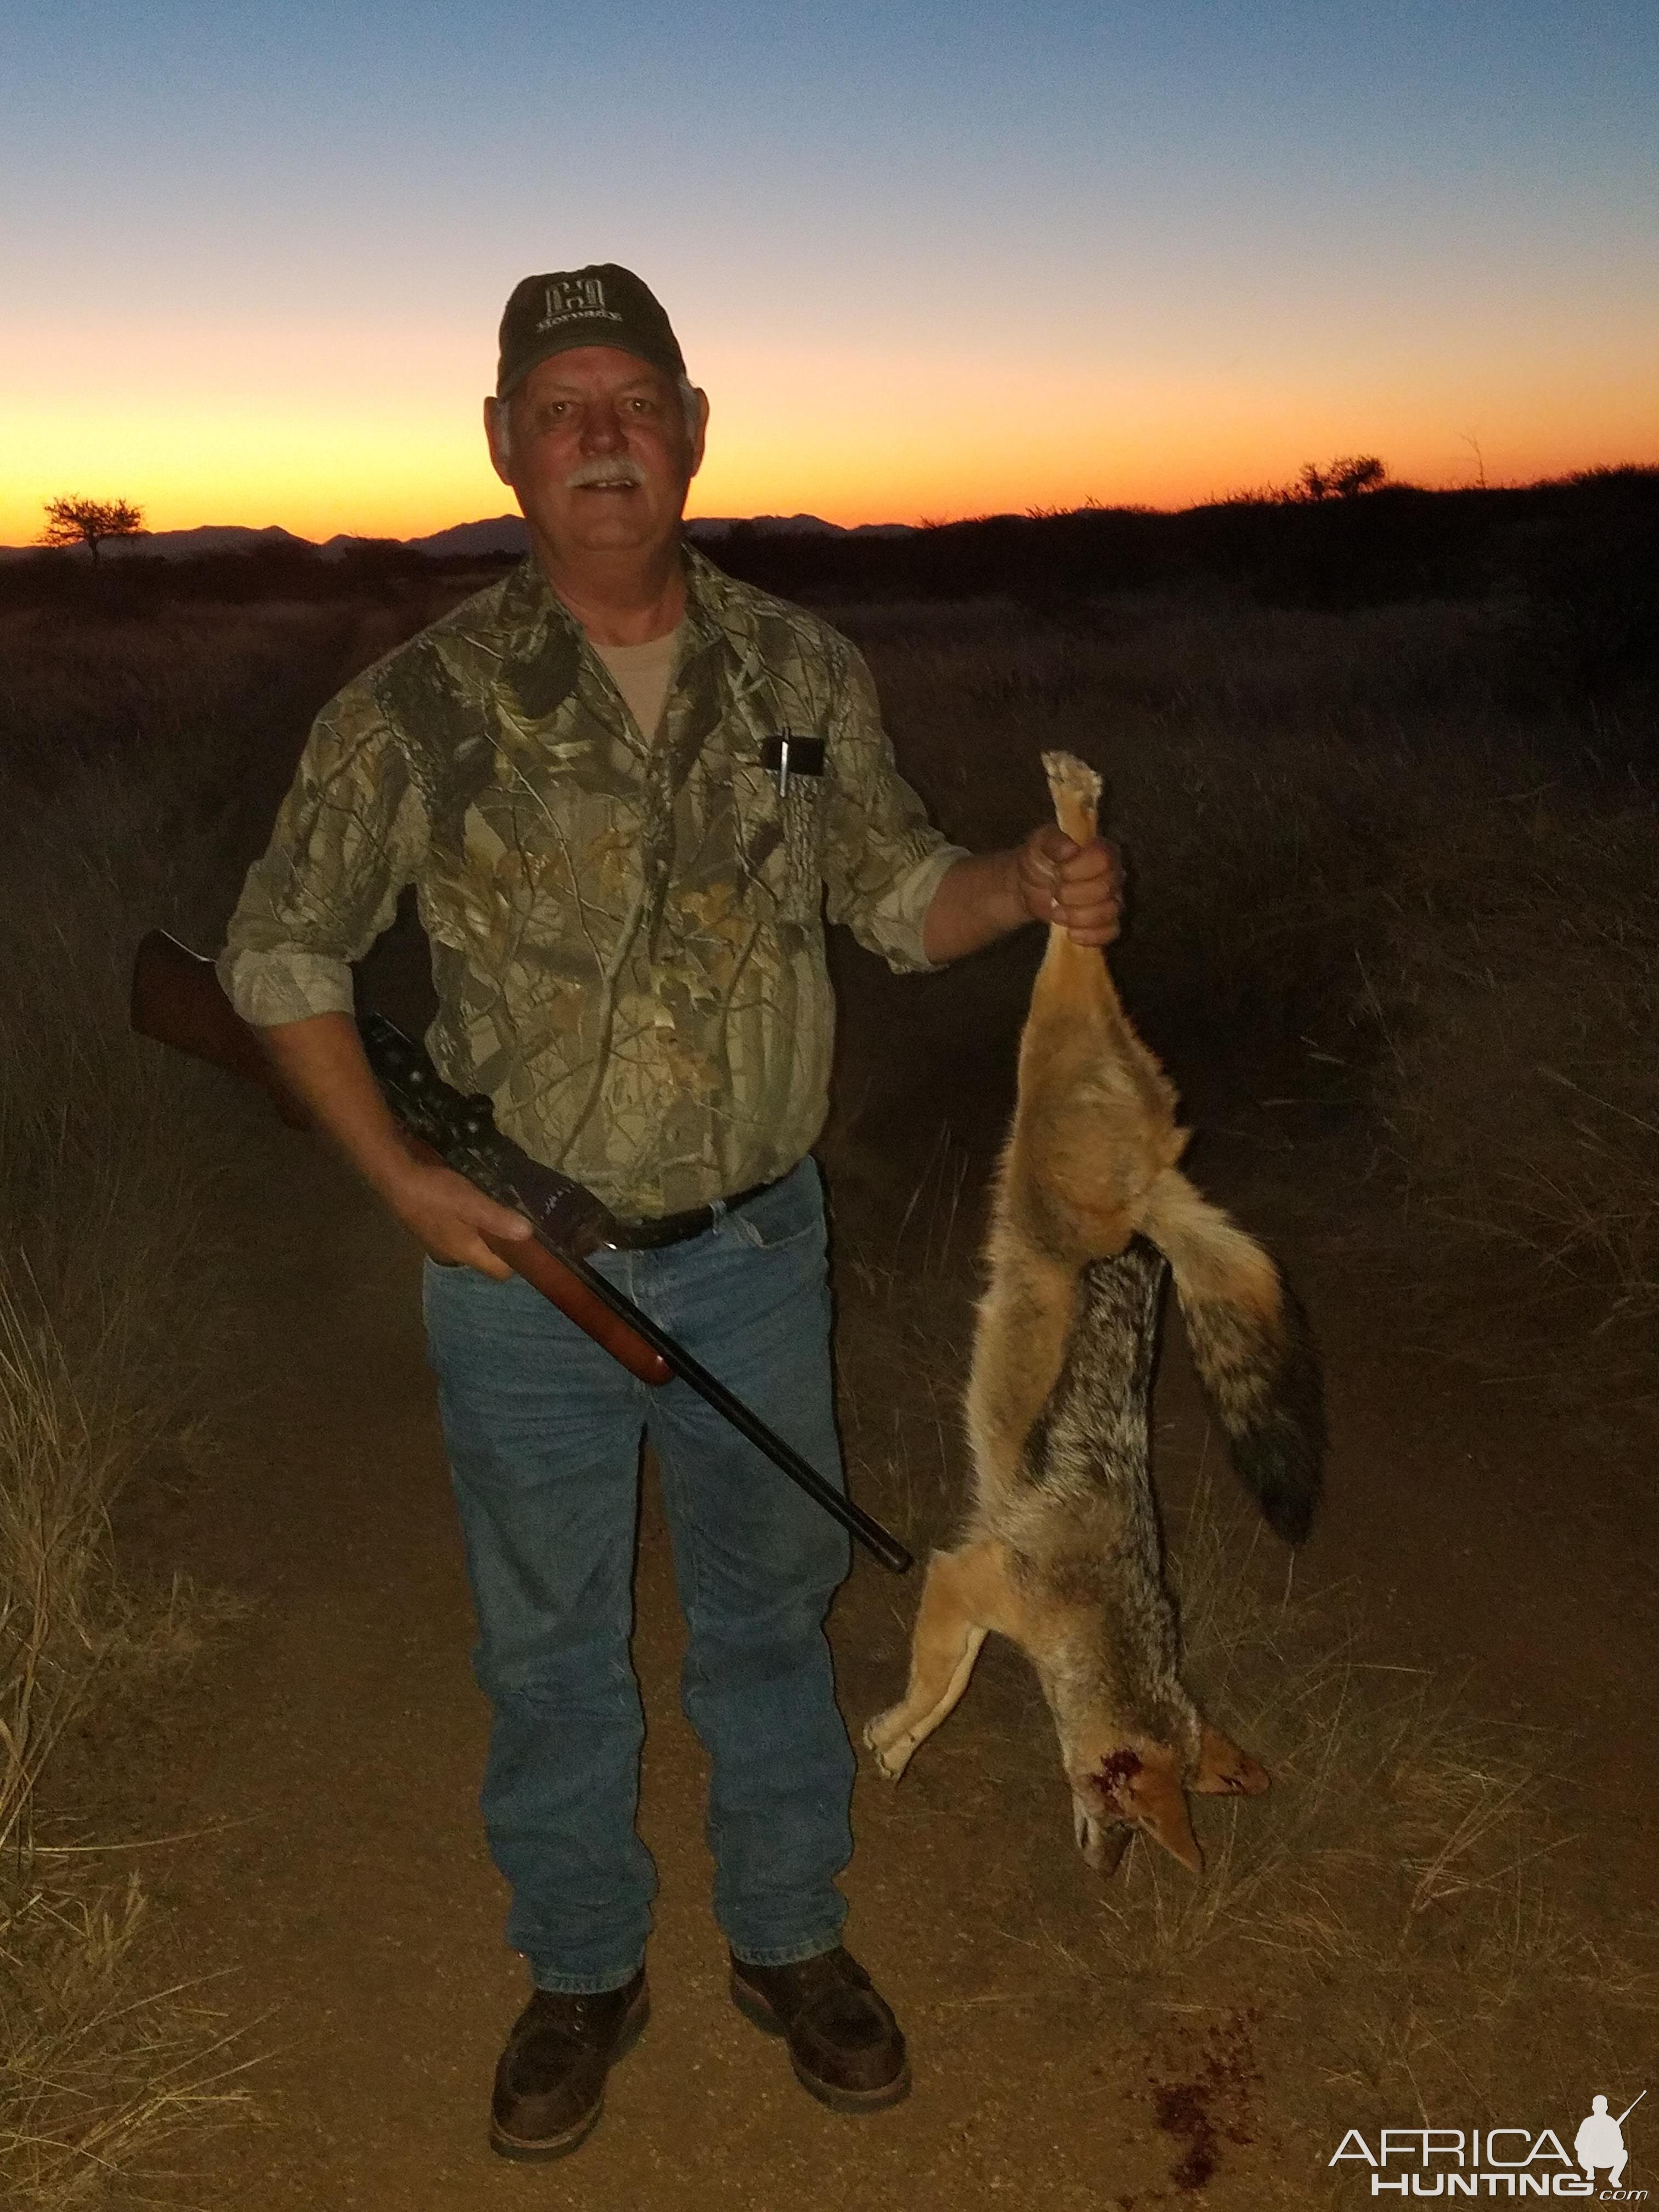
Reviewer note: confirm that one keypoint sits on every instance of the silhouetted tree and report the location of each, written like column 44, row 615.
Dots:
column 1346, row 477
column 88, row 522
column 1354, row 473
column 1311, row 484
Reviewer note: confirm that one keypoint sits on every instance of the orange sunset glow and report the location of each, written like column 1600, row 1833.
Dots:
column 853, row 441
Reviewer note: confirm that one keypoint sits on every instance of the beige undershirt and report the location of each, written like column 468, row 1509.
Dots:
column 642, row 673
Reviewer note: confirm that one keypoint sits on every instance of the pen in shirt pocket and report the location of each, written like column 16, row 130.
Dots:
column 784, row 755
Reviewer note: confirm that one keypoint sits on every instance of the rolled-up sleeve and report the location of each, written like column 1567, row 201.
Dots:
column 349, row 837
column 883, row 857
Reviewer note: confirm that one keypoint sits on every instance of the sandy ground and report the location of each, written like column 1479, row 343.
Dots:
column 327, row 1753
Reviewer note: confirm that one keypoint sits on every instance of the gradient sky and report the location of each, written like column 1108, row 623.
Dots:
column 928, row 261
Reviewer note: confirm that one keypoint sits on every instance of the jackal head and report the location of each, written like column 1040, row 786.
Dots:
column 1121, row 1784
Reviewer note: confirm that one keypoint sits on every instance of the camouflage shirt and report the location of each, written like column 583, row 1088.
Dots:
column 626, row 936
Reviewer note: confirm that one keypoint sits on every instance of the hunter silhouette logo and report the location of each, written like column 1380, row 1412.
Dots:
column 573, row 299
column 1600, row 2141
column 1504, row 2162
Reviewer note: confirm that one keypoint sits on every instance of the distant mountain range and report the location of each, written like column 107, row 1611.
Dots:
column 503, row 534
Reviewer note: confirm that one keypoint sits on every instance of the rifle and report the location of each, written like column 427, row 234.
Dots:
column 178, row 1000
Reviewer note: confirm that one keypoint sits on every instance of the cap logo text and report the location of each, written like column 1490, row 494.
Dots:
column 576, row 299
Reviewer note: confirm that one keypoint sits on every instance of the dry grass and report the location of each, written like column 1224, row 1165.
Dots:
column 1402, row 1906
column 98, row 2065
column 101, row 2065
column 108, row 1164
column 1520, row 1111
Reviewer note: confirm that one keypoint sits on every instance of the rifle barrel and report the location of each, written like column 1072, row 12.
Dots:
column 879, row 1542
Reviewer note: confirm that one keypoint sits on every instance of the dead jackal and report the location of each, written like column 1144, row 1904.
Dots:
column 1061, row 1551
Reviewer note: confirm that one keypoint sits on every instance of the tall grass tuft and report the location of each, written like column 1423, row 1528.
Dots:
column 122, row 797
column 98, row 2065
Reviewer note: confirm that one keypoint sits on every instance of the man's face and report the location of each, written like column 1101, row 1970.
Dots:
column 598, row 451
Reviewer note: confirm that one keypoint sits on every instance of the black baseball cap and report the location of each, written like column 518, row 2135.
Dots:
column 601, row 305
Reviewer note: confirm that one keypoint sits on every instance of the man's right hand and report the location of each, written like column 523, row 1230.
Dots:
column 321, row 1061
column 450, row 1217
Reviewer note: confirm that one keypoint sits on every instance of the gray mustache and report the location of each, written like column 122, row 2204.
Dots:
column 618, row 470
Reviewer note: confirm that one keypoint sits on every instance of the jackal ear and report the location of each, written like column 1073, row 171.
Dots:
column 1225, row 1771
column 1156, row 1801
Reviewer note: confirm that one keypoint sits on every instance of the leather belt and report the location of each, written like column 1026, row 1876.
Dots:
column 676, row 1228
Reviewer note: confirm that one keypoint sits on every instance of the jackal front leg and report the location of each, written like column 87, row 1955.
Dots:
column 967, row 1594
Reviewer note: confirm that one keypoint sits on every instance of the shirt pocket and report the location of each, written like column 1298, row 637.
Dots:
column 796, row 765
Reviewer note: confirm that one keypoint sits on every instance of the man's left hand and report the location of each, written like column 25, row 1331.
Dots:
column 1077, row 888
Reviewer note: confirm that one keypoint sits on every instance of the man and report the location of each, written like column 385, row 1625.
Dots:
column 625, row 788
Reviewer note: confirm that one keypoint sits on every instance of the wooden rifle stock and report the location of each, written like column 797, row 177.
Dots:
column 178, row 1000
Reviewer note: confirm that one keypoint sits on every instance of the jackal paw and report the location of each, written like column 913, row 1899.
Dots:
column 1073, row 778
column 892, row 1750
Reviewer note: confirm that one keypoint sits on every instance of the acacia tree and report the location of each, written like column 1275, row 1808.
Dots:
column 88, row 522
column 1346, row 477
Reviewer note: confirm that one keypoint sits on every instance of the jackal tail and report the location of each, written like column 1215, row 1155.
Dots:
column 1252, row 1350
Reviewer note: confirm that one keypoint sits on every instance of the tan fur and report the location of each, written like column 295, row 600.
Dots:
column 1067, row 1571
column 1094, row 1131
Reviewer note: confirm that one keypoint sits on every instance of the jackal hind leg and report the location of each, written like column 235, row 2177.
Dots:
column 967, row 1594
column 1074, row 787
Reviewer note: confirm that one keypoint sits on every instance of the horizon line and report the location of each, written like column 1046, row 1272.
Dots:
column 1263, row 495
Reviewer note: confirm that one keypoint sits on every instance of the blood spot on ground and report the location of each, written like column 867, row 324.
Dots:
column 1209, row 2102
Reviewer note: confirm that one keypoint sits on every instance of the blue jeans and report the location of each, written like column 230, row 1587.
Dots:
column 543, row 1432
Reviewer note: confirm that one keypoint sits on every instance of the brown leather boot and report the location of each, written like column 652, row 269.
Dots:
column 844, row 2043
column 550, row 2082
